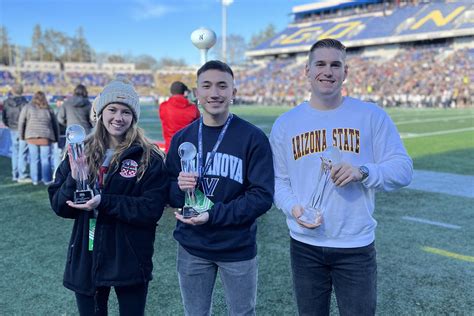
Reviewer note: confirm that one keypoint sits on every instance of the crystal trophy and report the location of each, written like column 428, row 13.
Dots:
column 187, row 152
column 313, row 212
column 75, row 136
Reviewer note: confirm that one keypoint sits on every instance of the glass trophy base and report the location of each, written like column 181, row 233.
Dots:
column 82, row 196
column 312, row 216
column 189, row 211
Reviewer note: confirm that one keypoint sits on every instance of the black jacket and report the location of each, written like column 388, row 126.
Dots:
column 240, row 183
column 125, row 230
column 11, row 111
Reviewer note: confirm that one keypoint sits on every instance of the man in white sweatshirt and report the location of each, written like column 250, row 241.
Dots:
column 336, row 247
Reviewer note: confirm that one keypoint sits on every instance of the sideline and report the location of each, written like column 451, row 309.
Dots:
column 441, row 182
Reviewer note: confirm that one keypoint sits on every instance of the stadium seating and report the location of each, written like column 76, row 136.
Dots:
column 40, row 78
column 88, row 79
column 388, row 62
column 427, row 19
column 139, row 79
column 6, row 78
column 423, row 76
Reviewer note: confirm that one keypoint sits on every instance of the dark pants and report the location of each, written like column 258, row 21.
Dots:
column 131, row 300
column 351, row 271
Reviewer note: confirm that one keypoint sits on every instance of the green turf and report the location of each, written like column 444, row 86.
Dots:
column 410, row 281
column 414, row 282
column 445, row 152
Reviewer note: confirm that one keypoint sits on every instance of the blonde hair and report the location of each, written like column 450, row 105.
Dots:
column 97, row 143
column 327, row 43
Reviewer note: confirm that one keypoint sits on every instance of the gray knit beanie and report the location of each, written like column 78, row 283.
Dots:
column 119, row 90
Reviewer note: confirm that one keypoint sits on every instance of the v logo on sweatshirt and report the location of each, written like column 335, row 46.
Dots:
column 209, row 185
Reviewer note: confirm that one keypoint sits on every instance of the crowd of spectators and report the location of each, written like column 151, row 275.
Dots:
column 30, row 78
column 279, row 82
column 139, row 79
column 414, row 77
column 6, row 78
column 165, row 79
column 88, row 79
column 421, row 76
column 61, row 83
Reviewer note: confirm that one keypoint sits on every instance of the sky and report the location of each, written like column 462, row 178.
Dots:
column 160, row 28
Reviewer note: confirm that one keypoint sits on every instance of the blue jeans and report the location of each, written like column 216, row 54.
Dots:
column 19, row 158
column 40, row 156
column 351, row 271
column 56, row 156
column 197, row 277
column 23, row 159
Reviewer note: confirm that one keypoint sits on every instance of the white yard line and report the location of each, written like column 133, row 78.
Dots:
column 427, row 221
column 437, row 119
column 450, row 131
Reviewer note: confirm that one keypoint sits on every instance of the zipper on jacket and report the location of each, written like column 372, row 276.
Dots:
column 71, row 249
column 96, row 253
column 96, row 305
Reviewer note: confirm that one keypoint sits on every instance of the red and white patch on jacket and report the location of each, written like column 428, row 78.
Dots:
column 129, row 168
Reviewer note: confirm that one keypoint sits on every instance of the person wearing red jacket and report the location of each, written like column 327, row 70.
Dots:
column 177, row 112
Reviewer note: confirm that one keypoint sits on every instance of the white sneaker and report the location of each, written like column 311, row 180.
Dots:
column 24, row 180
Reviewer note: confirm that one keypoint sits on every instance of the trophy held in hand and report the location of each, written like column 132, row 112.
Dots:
column 75, row 136
column 313, row 212
column 187, row 152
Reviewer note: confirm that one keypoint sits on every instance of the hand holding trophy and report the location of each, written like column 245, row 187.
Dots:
column 75, row 136
column 313, row 212
column 187, row 152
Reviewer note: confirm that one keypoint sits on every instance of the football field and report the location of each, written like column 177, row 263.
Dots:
column 425, row 240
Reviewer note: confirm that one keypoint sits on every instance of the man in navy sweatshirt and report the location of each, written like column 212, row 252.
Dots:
column 235, row 172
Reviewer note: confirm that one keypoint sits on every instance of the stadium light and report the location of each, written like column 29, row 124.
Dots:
column 203, row 38
column 225, row 4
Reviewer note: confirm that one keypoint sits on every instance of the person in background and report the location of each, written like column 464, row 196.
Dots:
column 113, row 236
column 177, row 112
column 19, row 149
column 39, row 127
column 76, row 110
column 336, row 249
column 57, row 148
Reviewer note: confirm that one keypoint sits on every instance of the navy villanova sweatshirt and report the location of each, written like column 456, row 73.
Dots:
column 240, row 183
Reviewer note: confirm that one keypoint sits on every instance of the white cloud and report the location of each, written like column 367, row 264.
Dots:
column 146, row 9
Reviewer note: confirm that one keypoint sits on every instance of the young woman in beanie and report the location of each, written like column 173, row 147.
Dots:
column 113, row 234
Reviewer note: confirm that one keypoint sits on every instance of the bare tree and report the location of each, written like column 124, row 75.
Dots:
column 37, row 44
column 80, row 48
column 115, row 58
column 51, row 45
column 65, row 42
column 5, row 49
column 171, row 62
column 236, row 47
column 145, row 62
column 262, row 36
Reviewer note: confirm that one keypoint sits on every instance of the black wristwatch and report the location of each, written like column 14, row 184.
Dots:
column 364, row 171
